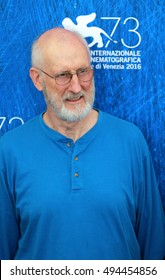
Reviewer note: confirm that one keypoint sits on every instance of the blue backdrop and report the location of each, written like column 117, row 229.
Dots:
column 126, row 39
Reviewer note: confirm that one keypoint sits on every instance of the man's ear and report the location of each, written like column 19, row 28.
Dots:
column 36, row 78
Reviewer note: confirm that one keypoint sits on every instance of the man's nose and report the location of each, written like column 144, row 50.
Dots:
column 75, row 85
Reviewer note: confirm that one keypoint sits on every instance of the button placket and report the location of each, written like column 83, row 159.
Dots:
column 76, row 171
column 68, row 144
column 76, row 174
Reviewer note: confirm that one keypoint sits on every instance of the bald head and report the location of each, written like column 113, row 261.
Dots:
column 54, row 43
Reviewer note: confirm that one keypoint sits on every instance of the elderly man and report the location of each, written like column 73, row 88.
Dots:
column 75, row 182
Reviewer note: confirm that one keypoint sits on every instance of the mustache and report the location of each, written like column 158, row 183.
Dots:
column 72, row 96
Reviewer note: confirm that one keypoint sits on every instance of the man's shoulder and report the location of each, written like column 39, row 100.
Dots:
column 121, row 129
column 118, row 123
column 21, row 132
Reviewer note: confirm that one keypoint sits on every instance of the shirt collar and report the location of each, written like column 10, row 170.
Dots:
column 56, row 136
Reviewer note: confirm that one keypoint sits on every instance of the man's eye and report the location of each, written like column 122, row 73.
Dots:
column 82, row 71
column 62, row 75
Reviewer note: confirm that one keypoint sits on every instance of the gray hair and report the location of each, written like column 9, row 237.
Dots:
column 36, row 56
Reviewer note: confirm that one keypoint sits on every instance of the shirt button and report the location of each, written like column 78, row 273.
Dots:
column 76, row 174
column 68, row 144
column 76, row 158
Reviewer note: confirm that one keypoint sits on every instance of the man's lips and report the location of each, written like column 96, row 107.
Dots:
column 74, row 100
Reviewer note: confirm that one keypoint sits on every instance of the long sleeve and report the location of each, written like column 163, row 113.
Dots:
column 8, row 221
column 150, row 226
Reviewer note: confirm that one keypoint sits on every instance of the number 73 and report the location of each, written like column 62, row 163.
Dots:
column 134, row 30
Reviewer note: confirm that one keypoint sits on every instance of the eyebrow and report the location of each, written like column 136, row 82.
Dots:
column 69, row 71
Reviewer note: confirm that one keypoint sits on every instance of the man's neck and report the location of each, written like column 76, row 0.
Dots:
column 73, row 130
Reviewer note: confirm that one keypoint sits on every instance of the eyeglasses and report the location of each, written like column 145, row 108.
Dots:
column 63, row 78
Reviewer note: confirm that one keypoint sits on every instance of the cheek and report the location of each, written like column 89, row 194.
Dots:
column 87, row 87
column 56, row 92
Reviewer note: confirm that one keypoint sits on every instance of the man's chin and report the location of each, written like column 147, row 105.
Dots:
column 72, row 115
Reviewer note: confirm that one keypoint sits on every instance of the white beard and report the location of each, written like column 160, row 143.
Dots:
column 65, row 114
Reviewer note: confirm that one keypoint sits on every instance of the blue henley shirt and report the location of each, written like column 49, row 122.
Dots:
column 96, row 198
